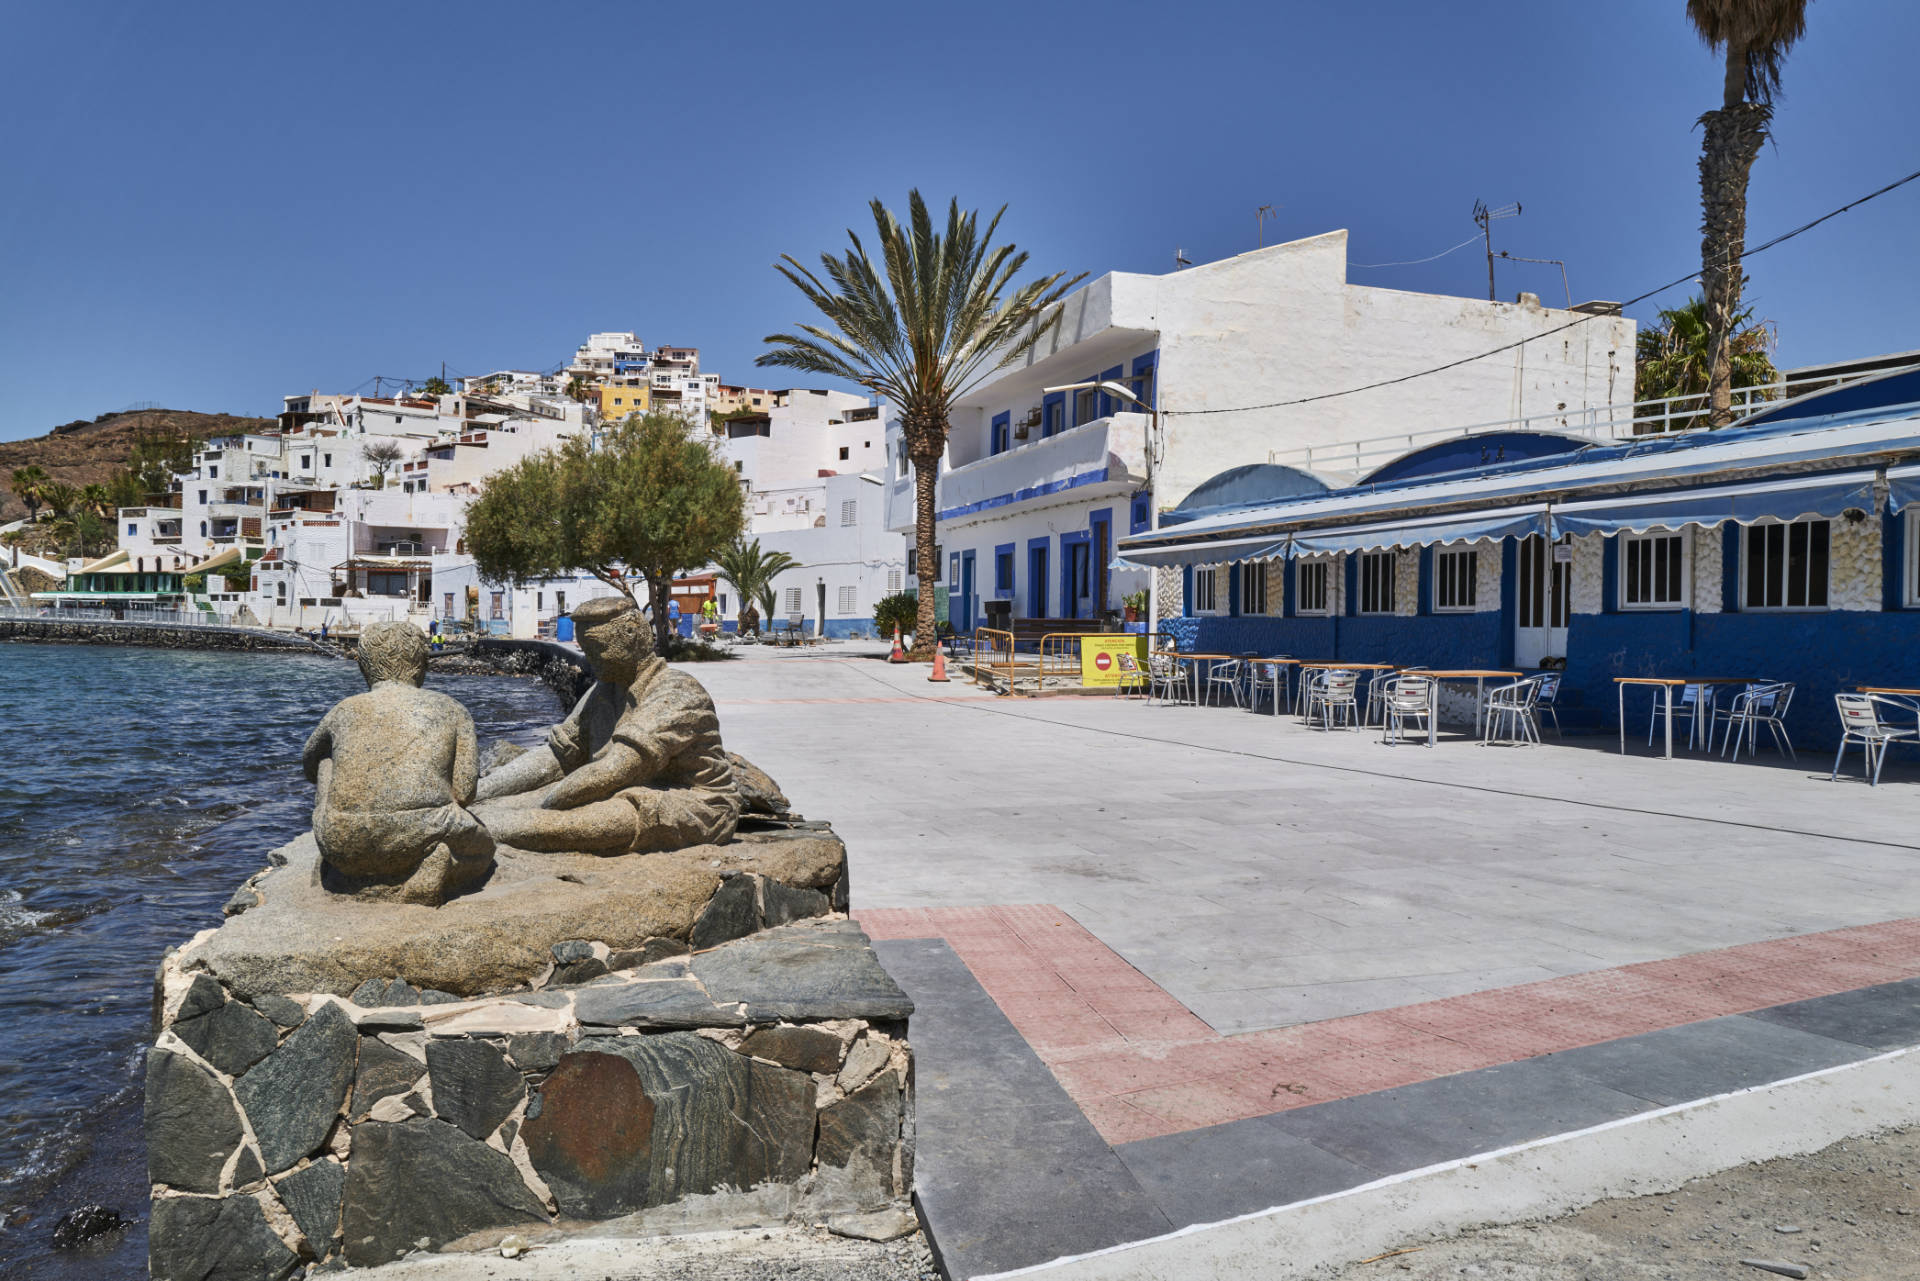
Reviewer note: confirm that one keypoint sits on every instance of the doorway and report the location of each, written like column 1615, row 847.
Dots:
column 1078, row 586
column 1037, row 581
column 965, row 622
column 1544, row 599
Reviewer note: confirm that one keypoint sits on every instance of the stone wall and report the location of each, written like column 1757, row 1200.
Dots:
column 562, row 670
column 152, row 635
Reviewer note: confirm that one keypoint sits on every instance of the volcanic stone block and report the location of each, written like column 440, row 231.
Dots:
column 733, row 913
column 233, row 1038
column 375, row 992
column 423, row 1180
column 662, row 1004
column 785, row 904
column 655, row 949
column 203, row 995
column 192, row 1126
column 574, row 962
column 382, row 1070
column 858, row 1138
column 197, row 1239
column 536, row 1051
column 293, row 1096
column 473, row 1085
column 285, row 1012
column 312, row 1197
column 640, row 1121
column 805, row 1049
column 821, row 970
column 246, row 1169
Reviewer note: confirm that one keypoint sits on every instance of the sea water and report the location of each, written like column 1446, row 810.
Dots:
column 138, row 788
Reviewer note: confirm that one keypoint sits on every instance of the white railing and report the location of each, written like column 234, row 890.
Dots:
column 129, row 618
column 1602, row 422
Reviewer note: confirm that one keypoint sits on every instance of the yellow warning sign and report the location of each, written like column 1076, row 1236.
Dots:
column 1112, row 659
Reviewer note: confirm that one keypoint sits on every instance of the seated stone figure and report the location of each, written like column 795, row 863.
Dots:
column 637, row 766
column 395, row 767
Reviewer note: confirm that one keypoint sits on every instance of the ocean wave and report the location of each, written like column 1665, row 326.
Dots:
column 16, row 920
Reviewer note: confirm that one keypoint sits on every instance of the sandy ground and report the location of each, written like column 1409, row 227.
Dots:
column 1849, row 1212
column 759, row 1254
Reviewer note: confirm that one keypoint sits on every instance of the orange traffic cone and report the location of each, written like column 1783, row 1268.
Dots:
column 899, row 655
column 939, row 672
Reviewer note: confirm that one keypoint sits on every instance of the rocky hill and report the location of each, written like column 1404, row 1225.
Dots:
column 86, row 452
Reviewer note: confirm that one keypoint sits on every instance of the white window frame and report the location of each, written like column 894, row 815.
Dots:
column 849, row 600
column 793, row 601
column 1322, row 570
column 1747, row 604
column 1376, row 580
column 849, row 512
column 893, row 581
column 1459, row 568
column 1253, row 588
column 1207, row 596
column 1629, row 545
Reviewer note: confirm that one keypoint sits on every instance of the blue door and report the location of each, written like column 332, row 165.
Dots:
column 965, row 622
column 1037, row 581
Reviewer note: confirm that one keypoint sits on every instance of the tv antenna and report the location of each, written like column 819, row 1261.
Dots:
column 1486, row 217
column 1180, row 259
column 1260, row 217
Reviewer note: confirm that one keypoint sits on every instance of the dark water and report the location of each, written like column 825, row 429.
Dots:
column 137, row 789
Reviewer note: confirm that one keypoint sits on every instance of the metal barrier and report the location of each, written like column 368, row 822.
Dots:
column 1060, row 654
column 992, row 651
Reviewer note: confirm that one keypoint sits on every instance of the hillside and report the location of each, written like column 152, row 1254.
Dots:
column 87, row 452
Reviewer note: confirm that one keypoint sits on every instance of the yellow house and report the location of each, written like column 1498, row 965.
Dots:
column 617, row 402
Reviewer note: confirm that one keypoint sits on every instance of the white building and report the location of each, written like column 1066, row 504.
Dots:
column 604, row 356
column 1221, row 362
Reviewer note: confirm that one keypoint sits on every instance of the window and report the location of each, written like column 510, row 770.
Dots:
column 1653, row 571
column 1050, row 417
column 1086, row 406
column 1143, row 388
column 306, row 462
column 560, row 602
column 739, row 465
column 383, row 583
column 893, row 581
column 847, row 601
column 326, row 460
column 793, row 600
column 539, row 602
column 901, row 470
column 1786, row 566
column 1911, row 597
column 849, row 512
column 843, row 453
column 1000, row 434
column 1253, row 588
column 446, row 610
column 1456, row 578
column 1376, row 582
column 1003, row 571
column 132, row 528
column 499, row 608
column 213, row 472
column 1206, row 593
column 1310, row 586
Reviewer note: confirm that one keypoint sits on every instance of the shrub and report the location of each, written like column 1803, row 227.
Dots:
column 898, row 610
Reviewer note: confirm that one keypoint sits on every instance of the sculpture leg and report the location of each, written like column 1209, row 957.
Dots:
column 604, row 827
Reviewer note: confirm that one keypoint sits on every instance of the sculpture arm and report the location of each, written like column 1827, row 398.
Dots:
column 466, row 761
column 616, row 768
column 523, row 773
column 319, row 748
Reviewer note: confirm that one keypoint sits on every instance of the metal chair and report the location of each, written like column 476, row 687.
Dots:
column 1762, row 703
column 1694, row 704
column 1860, row 723
column 1264, row 674
column 1165, row 680
column 1224, row 674
column 1331, row 697
column 1547, row 702
column 1404, row 699
column 1510, row 713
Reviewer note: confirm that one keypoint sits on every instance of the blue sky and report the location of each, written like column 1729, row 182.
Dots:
column 213, row 205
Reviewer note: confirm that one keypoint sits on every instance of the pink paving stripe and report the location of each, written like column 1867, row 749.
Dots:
column 1140, row 1065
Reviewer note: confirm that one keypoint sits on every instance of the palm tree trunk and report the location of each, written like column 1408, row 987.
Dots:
column 926, row 565
column 1733, row 137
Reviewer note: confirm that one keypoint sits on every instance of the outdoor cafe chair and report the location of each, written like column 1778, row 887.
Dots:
column 1693, row 704
column 1165, row 680
column 1761, row 703
column 1510, row 713
column 1860, row 723
column 1406, row 698
column 1377, row 693
column 1546, row 703
column 1225, row 674
column 1268, row 676
column 1330, row 696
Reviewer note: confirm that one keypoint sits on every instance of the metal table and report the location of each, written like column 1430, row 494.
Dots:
column 1479, row 677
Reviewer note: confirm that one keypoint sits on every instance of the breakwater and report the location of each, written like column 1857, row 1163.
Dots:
column 60, row 631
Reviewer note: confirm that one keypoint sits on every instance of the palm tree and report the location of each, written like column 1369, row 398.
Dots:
column 923, row 331
column 1672, row 355
column 29, row 486
column 96, row 500
column 751, row 571
column 1755, row 35
column 60, row 498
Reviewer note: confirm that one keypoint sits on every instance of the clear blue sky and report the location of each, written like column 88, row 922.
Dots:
column 212, row 205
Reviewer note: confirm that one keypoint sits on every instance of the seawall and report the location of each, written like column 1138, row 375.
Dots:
column 561, row 669
column 154, row 635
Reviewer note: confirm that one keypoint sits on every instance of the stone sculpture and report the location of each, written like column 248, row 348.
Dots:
column 395, row 768
column 638, row 765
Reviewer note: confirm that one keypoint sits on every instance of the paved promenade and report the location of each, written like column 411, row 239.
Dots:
column 1218, row 958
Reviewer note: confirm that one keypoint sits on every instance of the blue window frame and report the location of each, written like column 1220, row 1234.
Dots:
column 1142, row 381
column 1140, row 512
column 1053, row 414
column 1002, row 436
column 1107, row 402
column 1003, row 571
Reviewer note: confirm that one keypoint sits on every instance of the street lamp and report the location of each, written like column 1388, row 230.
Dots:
column 1121, row 390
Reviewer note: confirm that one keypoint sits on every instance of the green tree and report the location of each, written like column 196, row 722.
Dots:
column 29, row 485
column 60, row 498
column 656, row 499
column 436, row 386
column 1754, row 36
column 898, row 610
column 158, row 455
column 934, row 321
column 124, row 489
column 96, row 499
column 751, row 571
column 238, row 575
column 1672, row 355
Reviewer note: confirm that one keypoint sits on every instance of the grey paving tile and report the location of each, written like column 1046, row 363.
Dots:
column 1698, row 1060
column 1009, row 1172
column 1885, row 1017
column 1203, row 1176
column 1455, row 1116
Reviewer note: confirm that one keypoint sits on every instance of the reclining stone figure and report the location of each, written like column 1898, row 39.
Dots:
column 395, row 768
column 638, row 765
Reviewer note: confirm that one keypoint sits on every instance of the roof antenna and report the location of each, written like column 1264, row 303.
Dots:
column 1180, row 259
column 1485, row 217
column 1260, row 217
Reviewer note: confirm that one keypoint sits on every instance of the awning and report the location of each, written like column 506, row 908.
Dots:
column 1806, row 496
column 1903, row 486
column 1211, row 552
column 1467, row 527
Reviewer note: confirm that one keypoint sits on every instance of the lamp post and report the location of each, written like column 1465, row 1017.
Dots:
column 1152, row 449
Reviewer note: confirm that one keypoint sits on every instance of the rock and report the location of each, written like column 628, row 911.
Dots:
column 545, row 1000
column 865, row 1058
column 382, row 1071
column 428, row 996
column 513, row 1245
column 424, row 1181
column 199, row 1239
column 389, row 1020
column 86, row 1224
column 375, row 993
column 574, row 961
column 284, row 1012
column 825, row 970
column 233, row 1038
column 858, row 1138
column 655, row 949
column 1798, row 1271
column 1786, row 1229
column 293, row 1096
column 785, row 904
column 732, row 913
column 312, row 1196
column 203, row 995
column 245, row 1170
column 759, row 794
column 804, row 1049
column 876, row 1225
column 660, row 1005
column 536, row 1051
column 192, row 1125
column 633, row 1122
column 473, row 1085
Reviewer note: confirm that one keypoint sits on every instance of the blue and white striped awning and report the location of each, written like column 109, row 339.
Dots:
column 1211, row 552
column 1825, row 495
column 1464, row 527
column 1903, row 486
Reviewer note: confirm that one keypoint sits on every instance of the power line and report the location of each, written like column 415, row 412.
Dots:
column 1467, row 360
column 1415, row 262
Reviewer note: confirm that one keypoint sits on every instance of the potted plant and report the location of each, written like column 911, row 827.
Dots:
column 1135, row 604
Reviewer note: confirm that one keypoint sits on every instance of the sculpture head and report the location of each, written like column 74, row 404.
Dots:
column 614, row 636
column 393, row 652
